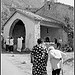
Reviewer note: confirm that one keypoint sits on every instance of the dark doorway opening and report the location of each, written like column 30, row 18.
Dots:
column 18, row 30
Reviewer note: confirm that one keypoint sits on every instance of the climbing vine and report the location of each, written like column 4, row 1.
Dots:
column 69, row 31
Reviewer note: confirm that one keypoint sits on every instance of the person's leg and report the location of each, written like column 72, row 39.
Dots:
column 12, row 48
column 58, row 71
column 53, row 72
column 7, row 47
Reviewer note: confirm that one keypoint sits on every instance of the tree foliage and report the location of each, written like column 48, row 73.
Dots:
column 69, row 31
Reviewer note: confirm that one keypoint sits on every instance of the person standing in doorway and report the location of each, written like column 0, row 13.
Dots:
column 11, row 44
column 19, row 44
column 7, row 43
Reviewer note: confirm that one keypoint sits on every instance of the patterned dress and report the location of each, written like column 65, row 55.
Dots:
column 39, row 58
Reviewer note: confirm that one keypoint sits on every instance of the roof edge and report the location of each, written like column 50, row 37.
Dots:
column 9, row 18
column 32, row 16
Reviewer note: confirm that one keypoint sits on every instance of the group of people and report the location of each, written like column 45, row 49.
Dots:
column 40, row 54
column 10, row 44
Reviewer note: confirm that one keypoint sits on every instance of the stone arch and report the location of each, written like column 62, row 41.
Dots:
column 17, row 29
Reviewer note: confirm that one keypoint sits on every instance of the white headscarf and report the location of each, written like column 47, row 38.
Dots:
column 51, row 48
column 54, row 52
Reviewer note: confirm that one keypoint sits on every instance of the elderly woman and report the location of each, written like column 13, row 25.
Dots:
column 38, row 59
column 56, row 60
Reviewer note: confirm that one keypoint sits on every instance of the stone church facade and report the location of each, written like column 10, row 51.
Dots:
column 32, row 26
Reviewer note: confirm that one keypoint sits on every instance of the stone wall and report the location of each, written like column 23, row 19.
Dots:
column 37, row 31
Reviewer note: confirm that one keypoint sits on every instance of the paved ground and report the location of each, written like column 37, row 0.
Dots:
column 19, row 64
column 7, row 68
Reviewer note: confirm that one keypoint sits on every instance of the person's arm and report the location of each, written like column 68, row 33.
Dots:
column 32, row 54
column 45, row 54
column 63, row 54
column 54, row 56
column 31, row 57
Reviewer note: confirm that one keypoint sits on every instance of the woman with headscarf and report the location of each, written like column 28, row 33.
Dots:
column 38, row 59
column 56, row 60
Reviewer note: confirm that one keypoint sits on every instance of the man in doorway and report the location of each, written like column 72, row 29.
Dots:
column 19, row 44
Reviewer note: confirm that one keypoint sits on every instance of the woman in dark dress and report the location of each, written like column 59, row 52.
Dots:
column 38, row 59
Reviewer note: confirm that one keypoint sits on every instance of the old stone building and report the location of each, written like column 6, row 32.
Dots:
column 60, row 12
column 46, row 21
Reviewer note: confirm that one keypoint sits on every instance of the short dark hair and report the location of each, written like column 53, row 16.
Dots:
column 11, row 37
column 39, row 41
column 47, row 39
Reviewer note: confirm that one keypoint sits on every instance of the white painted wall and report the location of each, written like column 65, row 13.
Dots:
column 31, row 35
column 29, row 25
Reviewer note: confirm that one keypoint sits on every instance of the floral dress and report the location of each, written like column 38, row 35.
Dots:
column 39, row 58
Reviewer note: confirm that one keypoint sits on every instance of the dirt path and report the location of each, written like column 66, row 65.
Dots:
column 7, row 68
column 22, row 64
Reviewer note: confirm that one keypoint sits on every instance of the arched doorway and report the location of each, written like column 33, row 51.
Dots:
column 17, row 29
